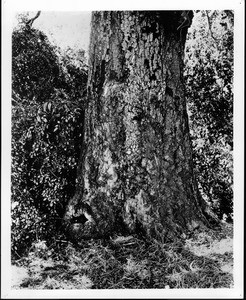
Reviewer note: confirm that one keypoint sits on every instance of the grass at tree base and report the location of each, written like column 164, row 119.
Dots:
column 202, row 261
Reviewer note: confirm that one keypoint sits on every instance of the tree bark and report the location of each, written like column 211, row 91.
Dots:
column 136, row 171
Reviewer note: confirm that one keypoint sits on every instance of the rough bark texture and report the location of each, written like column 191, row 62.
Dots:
column 136, row 170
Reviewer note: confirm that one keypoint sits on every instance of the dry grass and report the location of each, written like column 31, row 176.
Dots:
column 129, row 262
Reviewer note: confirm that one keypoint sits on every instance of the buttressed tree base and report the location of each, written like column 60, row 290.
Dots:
column 136, row 171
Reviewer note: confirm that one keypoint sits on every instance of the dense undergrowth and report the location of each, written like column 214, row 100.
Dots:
column 204, row 260
column 48, row 89
column 209, row 95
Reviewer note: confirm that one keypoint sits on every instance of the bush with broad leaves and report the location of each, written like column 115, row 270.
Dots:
column 209, row 91
column 48, row 89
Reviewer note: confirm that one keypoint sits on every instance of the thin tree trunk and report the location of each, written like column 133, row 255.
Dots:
column 136, row 171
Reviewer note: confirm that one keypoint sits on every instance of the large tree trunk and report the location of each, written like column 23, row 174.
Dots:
column 136, row 171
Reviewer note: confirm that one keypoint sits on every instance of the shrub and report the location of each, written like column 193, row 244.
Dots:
column 47, row 135
column 209, row 91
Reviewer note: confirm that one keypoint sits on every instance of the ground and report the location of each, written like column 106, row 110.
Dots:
column 202, row 260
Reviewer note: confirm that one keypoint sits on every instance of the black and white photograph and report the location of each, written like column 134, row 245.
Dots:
column 122, row 150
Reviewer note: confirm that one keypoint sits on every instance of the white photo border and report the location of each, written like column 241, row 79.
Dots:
column 10, row 7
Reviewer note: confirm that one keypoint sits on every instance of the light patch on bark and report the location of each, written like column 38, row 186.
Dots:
column 131, row 143
column 86, row 179
column 108, row 171
column 137, row 208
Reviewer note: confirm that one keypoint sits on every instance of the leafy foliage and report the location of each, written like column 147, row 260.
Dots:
column 47, row 133
column 209, row 89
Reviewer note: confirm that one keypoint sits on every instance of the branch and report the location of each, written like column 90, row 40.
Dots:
column 30, row 22
column 186, row 20
column 210, row 29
